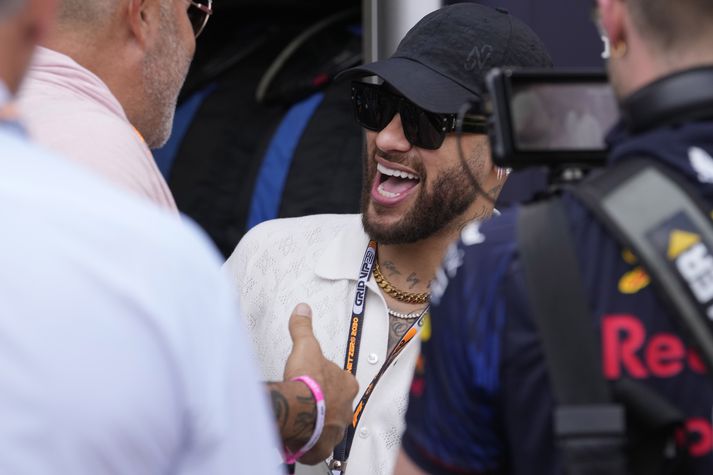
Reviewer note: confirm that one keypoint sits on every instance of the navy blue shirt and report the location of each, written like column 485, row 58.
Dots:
column 480, row 399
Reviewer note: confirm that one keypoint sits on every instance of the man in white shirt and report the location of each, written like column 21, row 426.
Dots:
column 119, row 347
column 418, row 194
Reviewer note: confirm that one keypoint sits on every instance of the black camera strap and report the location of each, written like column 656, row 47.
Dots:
column 589, row 427
column 650, row 210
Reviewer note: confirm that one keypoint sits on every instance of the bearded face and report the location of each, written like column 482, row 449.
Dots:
column 410, row 195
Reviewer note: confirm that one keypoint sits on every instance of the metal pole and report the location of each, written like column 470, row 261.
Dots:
column 386, row 22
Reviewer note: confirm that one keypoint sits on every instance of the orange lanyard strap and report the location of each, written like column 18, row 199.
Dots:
column 341, row 452
column 410, row 334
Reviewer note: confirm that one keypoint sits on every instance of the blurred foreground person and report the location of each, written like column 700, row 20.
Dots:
column 102, row 90
column 415, row 198
column 482, row 400
column 121, row 352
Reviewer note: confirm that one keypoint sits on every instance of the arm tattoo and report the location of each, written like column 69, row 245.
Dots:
column 413, row 280
column 305, row 419
column 391, row 267
column 295, row 412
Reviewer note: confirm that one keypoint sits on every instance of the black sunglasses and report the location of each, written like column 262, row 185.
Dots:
column 375, row 106
column 198, row 14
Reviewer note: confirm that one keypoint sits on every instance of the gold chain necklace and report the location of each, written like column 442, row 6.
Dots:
column 401, row 295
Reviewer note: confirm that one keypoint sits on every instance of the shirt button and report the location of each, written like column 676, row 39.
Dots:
column 373, row 358
column 363, row 432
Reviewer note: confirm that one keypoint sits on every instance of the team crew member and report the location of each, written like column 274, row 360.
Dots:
column 367, row 276
column 481, row 400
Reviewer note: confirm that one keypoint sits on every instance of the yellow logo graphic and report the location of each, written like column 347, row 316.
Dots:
column 628, row 256
column 680, row 241
column 426, row 328
column 634, row 281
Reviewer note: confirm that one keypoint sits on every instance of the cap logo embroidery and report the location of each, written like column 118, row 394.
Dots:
column 479, row 57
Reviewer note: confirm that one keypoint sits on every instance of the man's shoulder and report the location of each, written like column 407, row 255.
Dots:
column 497, row 237
column 484, row 249
column 60, row 198
column 309, row 225
column 58, row 111
column 82, row 122
column 304, row 231
column 490, row 240
column 83, row 231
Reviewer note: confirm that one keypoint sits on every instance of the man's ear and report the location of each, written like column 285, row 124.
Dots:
column 613, row 18
column 143, row 17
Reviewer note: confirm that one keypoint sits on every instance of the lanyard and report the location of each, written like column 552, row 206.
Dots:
column 341, row 452
column 357, row 320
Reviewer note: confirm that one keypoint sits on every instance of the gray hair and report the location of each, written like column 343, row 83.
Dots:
column 91, row 13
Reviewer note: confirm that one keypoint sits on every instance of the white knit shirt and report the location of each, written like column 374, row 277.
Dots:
column 316, row 259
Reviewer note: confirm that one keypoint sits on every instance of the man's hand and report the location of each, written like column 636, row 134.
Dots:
column 294, row 405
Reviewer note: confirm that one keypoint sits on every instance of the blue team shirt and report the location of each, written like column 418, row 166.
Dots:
column 480, row 399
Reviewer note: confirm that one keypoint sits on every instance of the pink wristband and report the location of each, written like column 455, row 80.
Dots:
column 319, row 423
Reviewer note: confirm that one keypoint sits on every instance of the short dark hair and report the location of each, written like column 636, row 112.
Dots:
column 672, row 24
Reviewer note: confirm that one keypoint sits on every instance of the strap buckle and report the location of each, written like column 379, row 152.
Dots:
column 337, row 466
column 592, row 438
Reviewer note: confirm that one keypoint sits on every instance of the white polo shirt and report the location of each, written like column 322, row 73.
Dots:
column 317, row 259
column 120, row 350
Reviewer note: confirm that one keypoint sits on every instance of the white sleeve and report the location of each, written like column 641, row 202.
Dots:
column 231, row 429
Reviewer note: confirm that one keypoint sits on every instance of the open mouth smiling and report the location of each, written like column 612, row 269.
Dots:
column 391, row 185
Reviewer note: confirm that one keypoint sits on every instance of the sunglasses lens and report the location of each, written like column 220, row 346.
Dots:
column 373, row 108
column 422, row 128
column 197, row 17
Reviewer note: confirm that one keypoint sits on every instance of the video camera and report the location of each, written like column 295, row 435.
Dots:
column 553, row 118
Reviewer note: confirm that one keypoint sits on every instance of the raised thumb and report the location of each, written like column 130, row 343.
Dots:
column 301, row 323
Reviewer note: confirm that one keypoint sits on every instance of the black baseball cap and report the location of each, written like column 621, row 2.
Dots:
column 442, row 61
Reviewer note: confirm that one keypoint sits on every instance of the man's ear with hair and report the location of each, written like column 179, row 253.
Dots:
column 143, row 20
column 612, row 15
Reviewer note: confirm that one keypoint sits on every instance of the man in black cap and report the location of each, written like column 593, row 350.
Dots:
column 367, row 276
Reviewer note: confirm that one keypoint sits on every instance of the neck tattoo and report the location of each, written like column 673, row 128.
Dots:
column 398, row 294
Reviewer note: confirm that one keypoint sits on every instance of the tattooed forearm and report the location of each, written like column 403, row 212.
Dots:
column 295, row 412
column 413, row 280
column 304, row 425
column 390, row 268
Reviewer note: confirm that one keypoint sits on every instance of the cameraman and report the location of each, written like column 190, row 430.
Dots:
column 481, row 400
